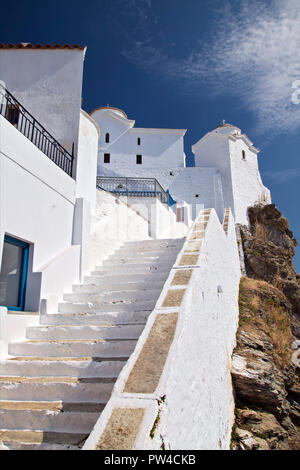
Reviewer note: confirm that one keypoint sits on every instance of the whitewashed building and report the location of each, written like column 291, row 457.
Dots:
column 48, row 154
column 226, row 170
column 114, row 308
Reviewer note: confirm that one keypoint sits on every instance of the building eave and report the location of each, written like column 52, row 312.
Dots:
column 147, row 130
column 246, row 139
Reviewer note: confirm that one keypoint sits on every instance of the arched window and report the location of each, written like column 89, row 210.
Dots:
column 139, row 141
column 107, row 138
column 243, row 155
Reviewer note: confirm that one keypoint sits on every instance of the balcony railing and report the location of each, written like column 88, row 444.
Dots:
column 22, row 120
column 133, row 187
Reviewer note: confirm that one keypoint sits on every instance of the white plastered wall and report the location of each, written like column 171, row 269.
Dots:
column 86, row 172
column 37, row 203
column 161, row 218
column 48, row 84
column 247, row 185
column 159, row 147
column 113, row 224
column 213, row 151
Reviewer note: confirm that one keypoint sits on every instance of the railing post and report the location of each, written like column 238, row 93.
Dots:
column 33, row 126
column 72, row 160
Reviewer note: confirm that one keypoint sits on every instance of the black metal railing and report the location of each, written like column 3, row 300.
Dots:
column 133, row 187
column 19, row 117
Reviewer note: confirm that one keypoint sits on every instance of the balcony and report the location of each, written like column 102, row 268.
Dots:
column 24, row 122
column 133, row 187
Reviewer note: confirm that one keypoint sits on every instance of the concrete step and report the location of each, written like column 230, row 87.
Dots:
column 49, row 416
column 117, row 296
column 130, row 259
column 140, row 286
column 113, row 318
column 84, row 332
column 55, row 389
column 35, row 366
column 79, row 348
column 104, row 278
column 131, row 253
column 106, row 307
column 165, row 243
column 132, row 269
column 39, row 440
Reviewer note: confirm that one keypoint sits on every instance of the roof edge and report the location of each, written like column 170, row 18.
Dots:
column 108, row 108
column 28, row 45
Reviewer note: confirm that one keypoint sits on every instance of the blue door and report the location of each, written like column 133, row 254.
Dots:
column 13, row 273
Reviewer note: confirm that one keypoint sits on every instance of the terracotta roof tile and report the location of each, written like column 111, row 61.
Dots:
column 109, row 107
column 27, row 45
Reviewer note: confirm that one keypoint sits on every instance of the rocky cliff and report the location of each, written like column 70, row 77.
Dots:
column 266, row 365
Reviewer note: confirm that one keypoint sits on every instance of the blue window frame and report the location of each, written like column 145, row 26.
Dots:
column 13, row 273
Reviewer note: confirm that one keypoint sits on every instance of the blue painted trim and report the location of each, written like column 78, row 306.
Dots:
column 15, row 241
column 25, row 246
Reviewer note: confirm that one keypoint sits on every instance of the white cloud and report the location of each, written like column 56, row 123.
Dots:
column 253, row 53
column 282, row 176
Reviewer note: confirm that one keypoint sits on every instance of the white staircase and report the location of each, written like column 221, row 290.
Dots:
column 54, row 386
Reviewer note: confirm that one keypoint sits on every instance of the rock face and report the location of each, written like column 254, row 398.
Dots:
column 269, row 248
column 265, row 363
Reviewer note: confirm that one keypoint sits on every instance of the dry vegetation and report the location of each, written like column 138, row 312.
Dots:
column 261, row 232
column 265, row 309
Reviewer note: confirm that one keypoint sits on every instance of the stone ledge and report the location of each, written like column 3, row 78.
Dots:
column 122, row 429
column 173, row 298
column 182, row 277
column 146, row 372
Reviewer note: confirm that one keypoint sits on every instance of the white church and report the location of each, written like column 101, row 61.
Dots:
column 120, row 268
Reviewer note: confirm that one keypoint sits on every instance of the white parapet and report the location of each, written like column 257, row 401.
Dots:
column 13, row 328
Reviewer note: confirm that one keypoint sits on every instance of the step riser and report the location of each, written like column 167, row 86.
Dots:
column 117, row 287
column 138, row 261
column 133, row 269
column 85, row 332
column 137, row 250
column 113, row 297
column 14, row 445
column 48, row 421
column 89, row 392
column 62, row 368
column 106, row 308
column 94, row 319
column 158, row 244
column 76, row 349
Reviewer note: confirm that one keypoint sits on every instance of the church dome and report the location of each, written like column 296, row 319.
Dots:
column 227, row 128
column 111, row 108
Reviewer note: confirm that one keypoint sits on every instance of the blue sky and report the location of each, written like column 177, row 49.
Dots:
column 188, row 64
